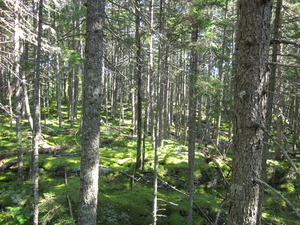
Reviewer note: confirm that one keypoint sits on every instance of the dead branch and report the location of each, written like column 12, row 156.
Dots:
column 282, row 64
column 185, row 194
column 279, row 194
column 276, row 41
column 281, row 148
column 120, row 171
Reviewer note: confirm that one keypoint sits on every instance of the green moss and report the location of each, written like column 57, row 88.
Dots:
column 8, row 176
column 59, row 164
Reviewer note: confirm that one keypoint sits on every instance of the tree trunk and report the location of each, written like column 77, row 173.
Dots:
column 58, row 92
column 279, row 114
column 37, row 114
column 272, row 80
column 138, row 77
column 192, row 121
column 271, row 91
column 220, row 96
column 17, row 57
column 88, row 196
column 25, row 92
column 250, row 79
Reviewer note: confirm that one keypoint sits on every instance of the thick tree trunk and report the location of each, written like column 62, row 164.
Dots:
column 88, row 196
column 250, row 78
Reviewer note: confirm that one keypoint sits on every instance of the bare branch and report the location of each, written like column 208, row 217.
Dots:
column 279, row 194
column 281, row 148
column 282, row 64
column 285, row 42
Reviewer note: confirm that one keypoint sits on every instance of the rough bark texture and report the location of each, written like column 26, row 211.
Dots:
column 250, row 77
column 91, row 113
column 192, row 121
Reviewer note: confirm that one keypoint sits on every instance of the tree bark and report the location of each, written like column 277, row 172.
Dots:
column 37, row 114
column 250, row 78
column 17, row 57
column 271, row 91
column 88, row 196
column 138, row 77
column 192, row 121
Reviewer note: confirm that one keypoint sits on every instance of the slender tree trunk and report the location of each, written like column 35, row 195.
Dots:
column 192, row 121
column 155, row 184
column 10, row 102
column 162, row 73
column 250, row 79
column 58, row 78
column 150, row 113
column 200, row 133
column 71, row 91
column 25, row 92
column 279, row 114
column 221, row 75
column 58, row 92
column 88, row 196
column 295, row 124
column 272, row 79
column 138, row 77
column 17, row 57
column 270, row 96
column 37, row 114
column 208, row 120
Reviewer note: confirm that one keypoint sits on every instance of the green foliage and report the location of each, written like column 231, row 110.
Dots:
column 15, row 216
column 72, row 57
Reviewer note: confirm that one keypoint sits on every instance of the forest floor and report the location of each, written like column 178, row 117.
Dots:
column 122, row 201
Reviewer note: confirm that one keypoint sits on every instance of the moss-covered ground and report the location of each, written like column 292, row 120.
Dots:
column 119, row 202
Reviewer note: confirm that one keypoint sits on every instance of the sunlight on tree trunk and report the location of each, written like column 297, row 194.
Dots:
column 88, row 196
column 250, row 79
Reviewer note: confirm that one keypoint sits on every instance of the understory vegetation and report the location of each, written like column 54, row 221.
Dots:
column 122, row 201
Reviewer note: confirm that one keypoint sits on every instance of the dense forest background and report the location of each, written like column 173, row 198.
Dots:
column 149, row 102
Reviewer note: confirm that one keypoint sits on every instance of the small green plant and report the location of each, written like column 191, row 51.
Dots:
column 17, row 215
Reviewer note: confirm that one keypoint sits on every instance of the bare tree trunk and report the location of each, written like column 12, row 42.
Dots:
column 88, row 196
column 17, row 55
column 295, row 128
column 271, row 91
column 138, row 77
column 250, row 80
column 25, row 92
column 37, row 114
column 58, row 92
column 272, row 79
column 221, row 75
column 279, row 114
column 192, row 121
column 71, row 94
